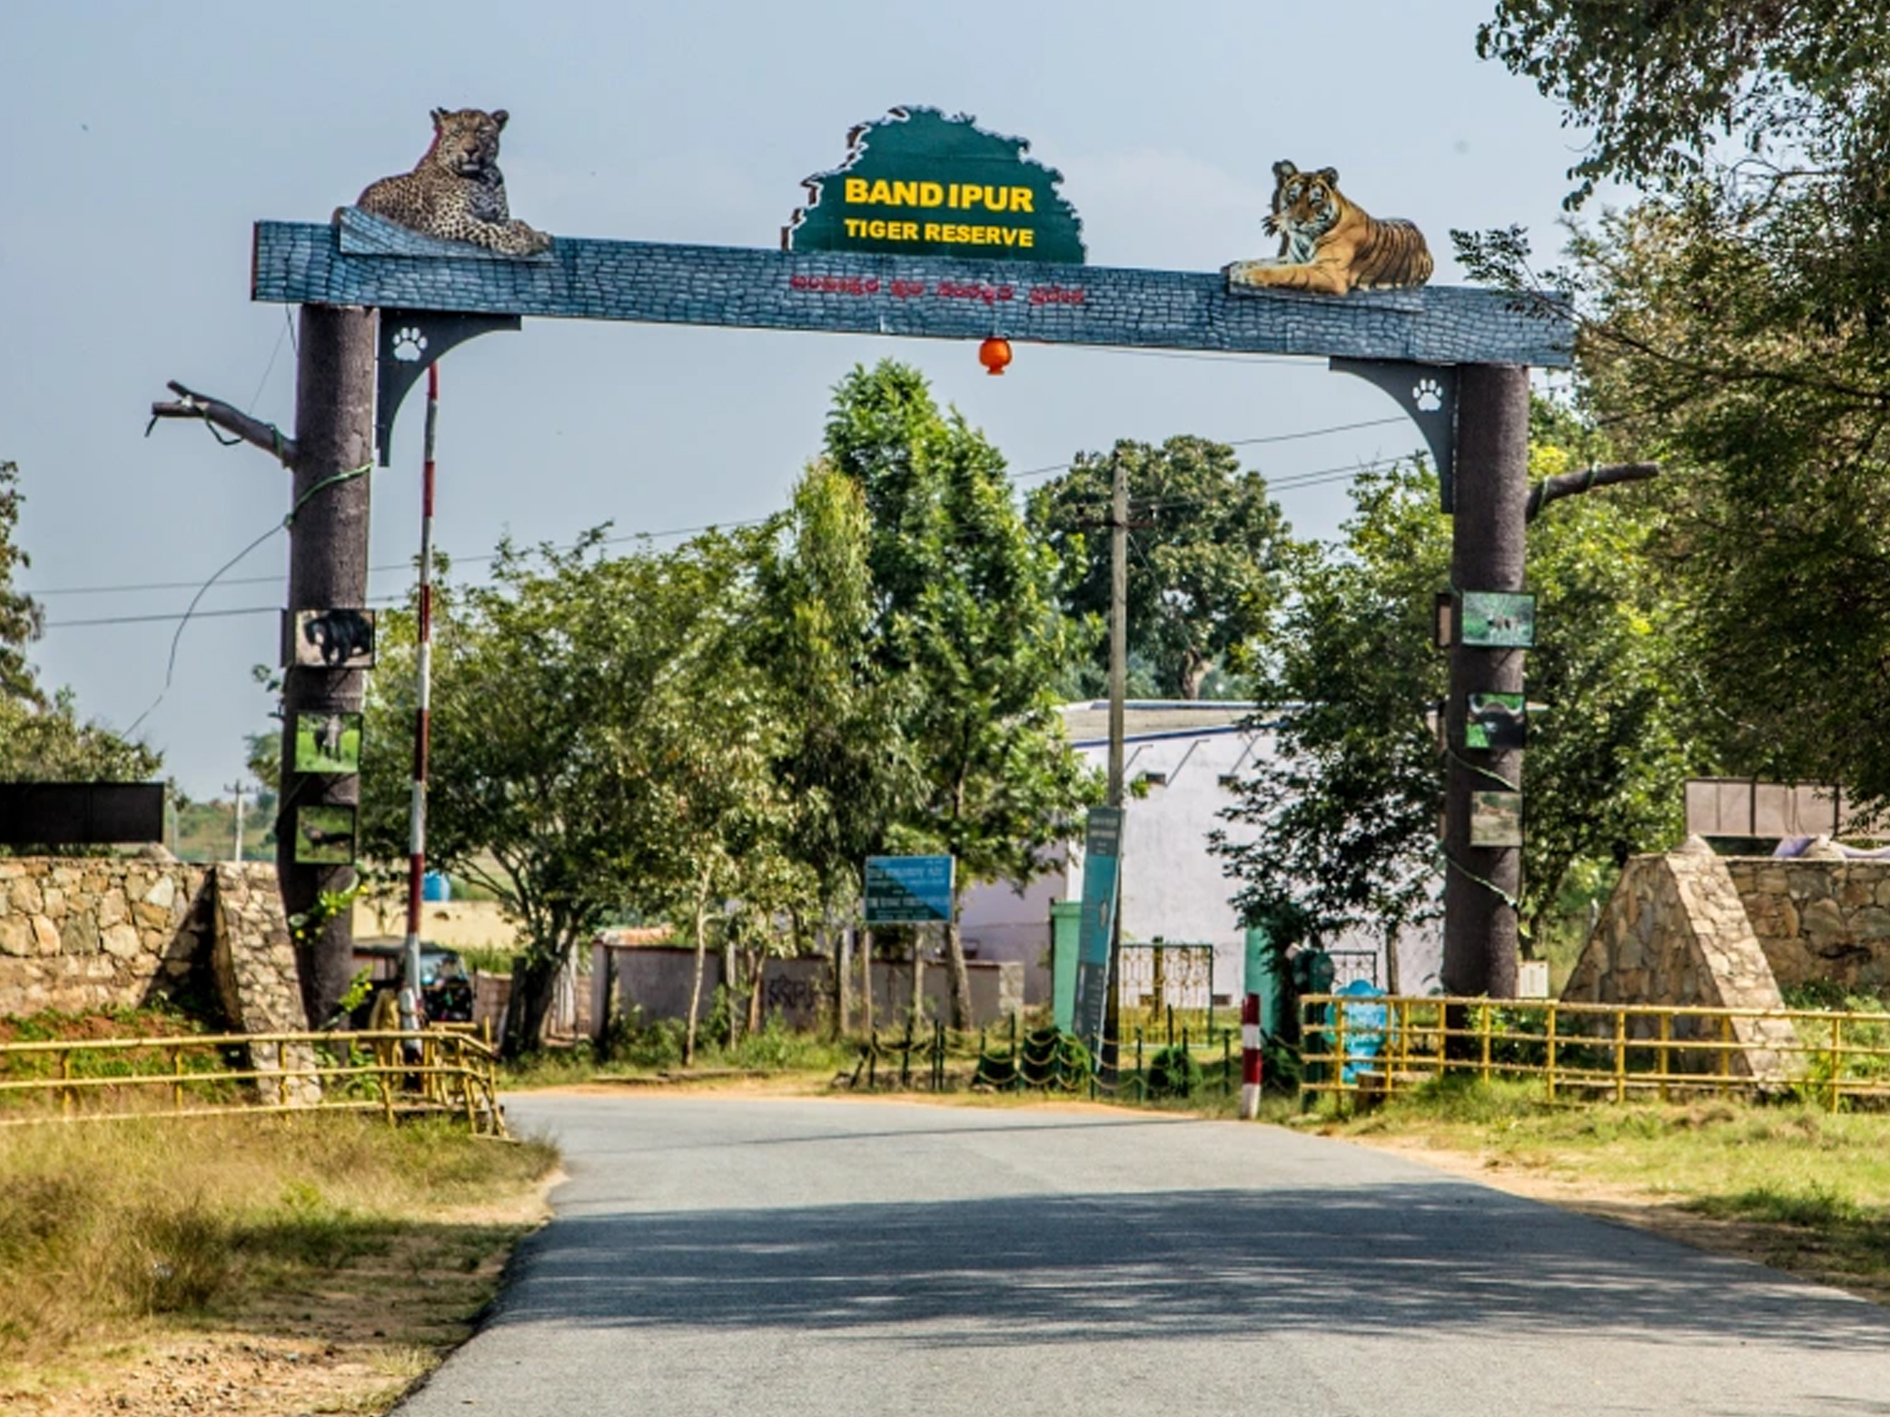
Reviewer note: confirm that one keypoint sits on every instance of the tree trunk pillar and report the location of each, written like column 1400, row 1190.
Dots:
column 328, row 559
column 1481, row 928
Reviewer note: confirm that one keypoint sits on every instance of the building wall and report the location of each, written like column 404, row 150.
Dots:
column 656, row 981
column 1174, row 887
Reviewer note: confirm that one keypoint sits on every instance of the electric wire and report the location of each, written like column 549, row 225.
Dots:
column 1282, row 484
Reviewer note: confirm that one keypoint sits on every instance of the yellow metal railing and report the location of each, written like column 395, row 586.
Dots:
column 1355, row 1045
column 196, row 1075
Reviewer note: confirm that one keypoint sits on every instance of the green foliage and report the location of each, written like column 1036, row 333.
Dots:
column 965, row 618
column 1210, row 561
column 1670, row 94
column 1173, row 1072
column 602, row 739
column 20, row 615
column 965, row 612
column 1347, row 810
column 843, row 757
column 1735, row 325
column 1045, row 1059
column 43, row 738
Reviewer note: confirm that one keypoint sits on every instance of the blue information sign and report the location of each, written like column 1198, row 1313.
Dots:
column 1102, row 858
column 908, row 890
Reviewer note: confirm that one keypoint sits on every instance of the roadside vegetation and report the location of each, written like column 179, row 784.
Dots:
column 1789, row 1185
column 324, row 1256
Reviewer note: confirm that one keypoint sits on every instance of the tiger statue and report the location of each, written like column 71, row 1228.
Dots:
column 1329, row 244
column 456, row 191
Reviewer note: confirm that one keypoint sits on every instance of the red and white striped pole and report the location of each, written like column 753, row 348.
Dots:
column 1249, row 1057
column 411, row 1015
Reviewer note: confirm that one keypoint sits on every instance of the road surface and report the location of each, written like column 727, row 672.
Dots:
column 727, row 1255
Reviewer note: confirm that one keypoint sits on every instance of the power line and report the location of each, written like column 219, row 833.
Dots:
column 1240, row 443
column 1047, row 471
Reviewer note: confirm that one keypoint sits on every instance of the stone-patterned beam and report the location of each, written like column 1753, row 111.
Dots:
column 363, row 260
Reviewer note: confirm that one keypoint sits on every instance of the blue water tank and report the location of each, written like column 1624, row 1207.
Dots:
column 435, row 886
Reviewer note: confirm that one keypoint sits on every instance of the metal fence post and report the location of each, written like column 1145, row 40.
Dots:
column 1666, row 1050
column 1551, row 1057
column 1837, row 1059
column 1620, row 1055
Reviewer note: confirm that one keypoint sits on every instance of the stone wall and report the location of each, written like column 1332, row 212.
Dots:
column 1676, row 932
column 257, row 980
column 86, row 934
column 1819, row 919
column 79, row 934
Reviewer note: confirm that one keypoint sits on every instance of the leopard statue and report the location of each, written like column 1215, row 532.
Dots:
column 456, row 192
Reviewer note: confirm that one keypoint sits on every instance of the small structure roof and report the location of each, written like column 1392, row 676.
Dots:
column 1149, row 718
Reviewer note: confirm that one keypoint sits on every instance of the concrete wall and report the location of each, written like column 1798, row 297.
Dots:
column 656, row 980
column 1819, row 919
column 1174, row 887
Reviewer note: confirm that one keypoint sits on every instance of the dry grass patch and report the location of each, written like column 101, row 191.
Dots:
column 247, row 1265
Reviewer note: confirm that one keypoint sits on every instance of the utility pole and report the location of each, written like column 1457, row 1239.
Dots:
column 411, row 1016
column 1118, row 618
column 236, row 790
column 1118, row 693
column 328, row 543
column 1482, row 883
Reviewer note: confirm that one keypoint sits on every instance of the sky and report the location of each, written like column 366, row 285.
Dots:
column 147, row 137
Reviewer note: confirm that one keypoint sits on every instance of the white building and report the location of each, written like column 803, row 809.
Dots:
column 1186, row 755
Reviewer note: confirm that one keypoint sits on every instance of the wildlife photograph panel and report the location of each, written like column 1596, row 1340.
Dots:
column 328, row 742
column 1495, row 619
column 1495, row 721
column 332, row 639
column 324, row 836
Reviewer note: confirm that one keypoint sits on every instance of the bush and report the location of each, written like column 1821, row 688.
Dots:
column 1173, row 1072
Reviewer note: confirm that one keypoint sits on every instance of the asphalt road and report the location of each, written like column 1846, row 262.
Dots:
column 720, row 1255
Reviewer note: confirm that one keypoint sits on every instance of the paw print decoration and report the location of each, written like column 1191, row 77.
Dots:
column 1427, row 395
column 409, row 344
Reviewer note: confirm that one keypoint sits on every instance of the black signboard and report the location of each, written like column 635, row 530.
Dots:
column 80, row 813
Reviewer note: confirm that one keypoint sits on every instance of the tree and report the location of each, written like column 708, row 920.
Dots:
column 1734, row 324
column 581, row 709
column 1210, row 557
column 21, row 619
column 965, row 616
column 1346, row 812
column 844, row 755
column 43, row 738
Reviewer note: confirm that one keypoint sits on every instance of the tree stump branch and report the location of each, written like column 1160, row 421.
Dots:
column 1570, row 484
column 190, row 404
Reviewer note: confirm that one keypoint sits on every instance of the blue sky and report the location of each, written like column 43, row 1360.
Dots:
column 145, row 139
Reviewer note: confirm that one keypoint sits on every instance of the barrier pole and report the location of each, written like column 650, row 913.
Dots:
column 1249, row 1057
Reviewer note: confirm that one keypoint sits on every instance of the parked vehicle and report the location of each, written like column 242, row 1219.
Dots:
column 446, row 992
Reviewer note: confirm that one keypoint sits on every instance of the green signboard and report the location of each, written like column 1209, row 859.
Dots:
column 916, row 183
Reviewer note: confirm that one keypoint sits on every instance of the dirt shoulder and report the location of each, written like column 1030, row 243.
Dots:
column 336, row 1311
